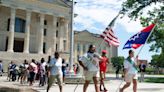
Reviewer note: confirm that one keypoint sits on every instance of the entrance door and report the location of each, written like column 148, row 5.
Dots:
column 18, row 45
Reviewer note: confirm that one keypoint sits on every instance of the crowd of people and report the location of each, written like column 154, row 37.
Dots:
column 42, row 72
column 31, row 71
column 93, row 64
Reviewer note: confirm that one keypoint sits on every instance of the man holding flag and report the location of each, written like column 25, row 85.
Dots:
column 130, row 72
column 130, row 65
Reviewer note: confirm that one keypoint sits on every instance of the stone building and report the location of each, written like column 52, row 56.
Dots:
column 33, row 29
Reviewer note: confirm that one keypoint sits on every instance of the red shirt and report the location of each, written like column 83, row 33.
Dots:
column 103, row 63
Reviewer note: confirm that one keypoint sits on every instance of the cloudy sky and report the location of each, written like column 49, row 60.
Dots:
column 95, row 15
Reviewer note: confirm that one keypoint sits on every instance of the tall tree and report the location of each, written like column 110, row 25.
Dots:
column 136, row 9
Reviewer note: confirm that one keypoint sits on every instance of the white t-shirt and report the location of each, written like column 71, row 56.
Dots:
column 91, row 61
column 131, row 69
column 56, row 65
column 43, row 67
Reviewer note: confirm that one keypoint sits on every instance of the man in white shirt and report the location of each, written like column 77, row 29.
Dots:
column 130, row 67
column 55, row 71
column 90, row 64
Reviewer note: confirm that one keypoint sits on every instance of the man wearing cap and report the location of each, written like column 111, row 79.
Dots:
column 90, row 64
column 103, row 67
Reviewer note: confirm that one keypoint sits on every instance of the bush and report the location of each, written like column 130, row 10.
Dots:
column 150, row 70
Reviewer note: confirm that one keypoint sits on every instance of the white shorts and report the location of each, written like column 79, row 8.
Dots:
column 130, row 77
column 90, row 74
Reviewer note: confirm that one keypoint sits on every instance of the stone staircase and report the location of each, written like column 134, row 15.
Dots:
column 7, row 57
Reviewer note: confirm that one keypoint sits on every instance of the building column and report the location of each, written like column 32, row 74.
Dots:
column 11, row 31
column 61, row 34
column 66, row 22
column 40, row 34
column 27, row 32
column 54, row 34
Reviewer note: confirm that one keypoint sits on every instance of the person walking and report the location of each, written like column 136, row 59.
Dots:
column 13, row 71
column 63, row 69
column 130, row 70
column 23, row 70
column 103, row 67
column 1, row 68
column 142, row 67
column 32, row 71
column 47, row 69
column 55, row 71
column 42, row 72
column 90, row 64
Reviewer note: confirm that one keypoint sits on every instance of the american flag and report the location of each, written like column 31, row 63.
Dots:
column 109, row 36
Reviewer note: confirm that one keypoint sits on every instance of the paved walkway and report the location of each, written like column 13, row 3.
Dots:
column 111, row 85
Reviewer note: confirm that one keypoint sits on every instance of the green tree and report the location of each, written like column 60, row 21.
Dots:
column 117, row 61
column 158, row 61
column 136, row 9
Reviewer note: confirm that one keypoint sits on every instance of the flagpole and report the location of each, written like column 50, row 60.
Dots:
column 101, row 44
column 146, row 40
column 71, row 59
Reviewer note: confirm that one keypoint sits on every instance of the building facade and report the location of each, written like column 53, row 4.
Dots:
column 31, row 29
column 84, row 38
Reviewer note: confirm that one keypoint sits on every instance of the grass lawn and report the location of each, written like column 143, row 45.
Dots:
column 154, row 80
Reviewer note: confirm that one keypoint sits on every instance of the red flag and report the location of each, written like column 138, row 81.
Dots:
column 140, row 38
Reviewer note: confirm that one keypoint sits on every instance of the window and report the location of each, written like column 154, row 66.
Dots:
column 64, row 44
column 44, row 47
column 8, row 24
column 56, row 47
column 78, row 47
column 45, row 22
column 57, row 24
column 57, row 33
column 20, row 25
column 45, row 32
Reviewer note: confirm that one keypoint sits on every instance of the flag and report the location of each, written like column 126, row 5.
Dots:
column 109, row 36
column 139, row 39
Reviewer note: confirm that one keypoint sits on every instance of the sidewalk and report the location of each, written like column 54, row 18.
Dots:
column 146, row 76
column 111, row 85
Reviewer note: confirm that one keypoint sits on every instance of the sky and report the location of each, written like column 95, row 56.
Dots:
column 95, row 15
